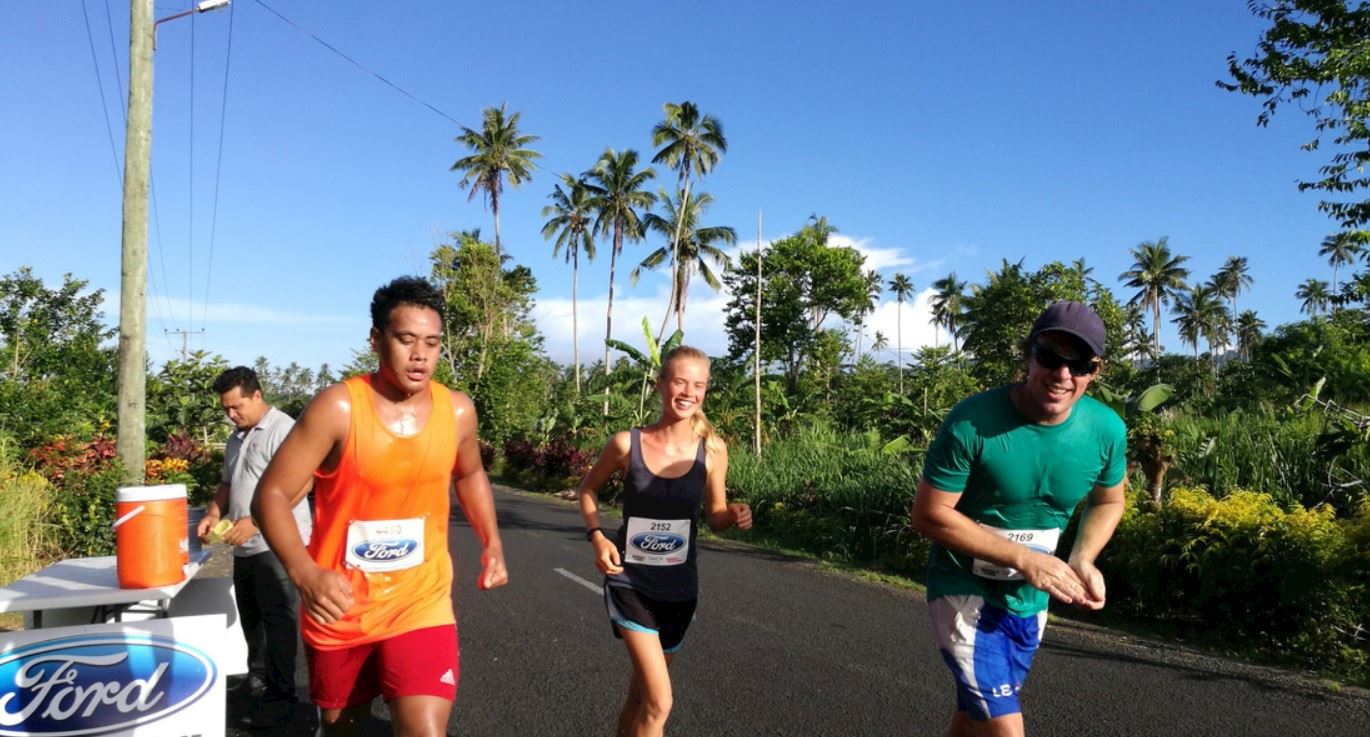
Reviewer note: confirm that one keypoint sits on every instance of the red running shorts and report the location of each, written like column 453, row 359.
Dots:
column 421, row 662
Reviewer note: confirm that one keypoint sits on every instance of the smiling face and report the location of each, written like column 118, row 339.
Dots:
column 1047, row 395
column 408, row 347
column 683, row 384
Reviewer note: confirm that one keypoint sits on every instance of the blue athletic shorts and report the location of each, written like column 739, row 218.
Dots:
column 633, row 611
column 988, row 650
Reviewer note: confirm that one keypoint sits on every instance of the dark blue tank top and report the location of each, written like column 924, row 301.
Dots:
column 660, row 523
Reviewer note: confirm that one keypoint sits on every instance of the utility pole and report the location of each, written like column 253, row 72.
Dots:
column 132, row 407
column 132, row 381
column 185, row 336
column 756, row 353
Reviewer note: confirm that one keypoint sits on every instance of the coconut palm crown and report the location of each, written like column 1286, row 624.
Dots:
column 499, row 151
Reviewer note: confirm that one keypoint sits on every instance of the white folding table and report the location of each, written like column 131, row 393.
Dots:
column 88, row 588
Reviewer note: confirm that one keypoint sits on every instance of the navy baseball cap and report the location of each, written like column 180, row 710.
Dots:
column 1073, row 318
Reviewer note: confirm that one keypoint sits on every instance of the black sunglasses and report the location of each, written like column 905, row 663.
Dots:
column 1051, row 361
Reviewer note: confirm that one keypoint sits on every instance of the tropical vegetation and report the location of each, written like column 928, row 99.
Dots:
column 1249, row 447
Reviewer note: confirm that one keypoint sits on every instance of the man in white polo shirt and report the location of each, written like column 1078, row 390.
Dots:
column 268, row 605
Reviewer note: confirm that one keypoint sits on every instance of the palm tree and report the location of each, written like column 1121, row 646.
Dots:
column 948, row 302
column 695, row 247
column 1340, row 249
column 617, row 196
column 1249, row 329
column 902, row 287
column 690, row 143
column 571, row 220
column 498, row 150
column 1315, row 297
column 1200, row 313
column 1138, row 342
column 1188, row 320
column 880, row 343
column 1232, row 278
column 874, row 288
column 1158, row 276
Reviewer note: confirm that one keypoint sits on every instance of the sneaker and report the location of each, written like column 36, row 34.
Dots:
column 268, row 714
column 245, row 687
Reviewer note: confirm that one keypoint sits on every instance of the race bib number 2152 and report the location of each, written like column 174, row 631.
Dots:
column 657, row 542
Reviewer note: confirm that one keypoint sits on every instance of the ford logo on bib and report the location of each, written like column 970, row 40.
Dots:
column 388, row 550
column 96, row 684
column 658, row 542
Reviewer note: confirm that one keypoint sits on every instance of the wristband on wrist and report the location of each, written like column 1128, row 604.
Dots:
column 590, row 533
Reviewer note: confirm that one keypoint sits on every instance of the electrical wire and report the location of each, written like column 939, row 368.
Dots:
column 190, row 190
column 218, row 171
column 104, row 104
column 357, row 64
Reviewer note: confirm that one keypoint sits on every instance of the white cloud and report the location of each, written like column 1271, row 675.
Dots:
column 878, row 259
column 918, row 330
column 705, row 315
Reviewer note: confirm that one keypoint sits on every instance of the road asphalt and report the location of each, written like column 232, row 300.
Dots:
column 783, row 647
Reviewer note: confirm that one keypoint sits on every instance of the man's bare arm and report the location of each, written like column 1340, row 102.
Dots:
column 473, row 491
column 936, row 517
column 316, row 439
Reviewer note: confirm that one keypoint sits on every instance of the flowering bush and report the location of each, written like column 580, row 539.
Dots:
column 1248, row 569
column 184, row 460
column 63, row 455
column 84, row 475
column 555, row 466
column 520, row 455
column 561, row 460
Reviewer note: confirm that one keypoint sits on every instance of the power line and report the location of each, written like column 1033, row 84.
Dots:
column 190, row 189
column 358, row 64
column 218, row 170
column 104, row 104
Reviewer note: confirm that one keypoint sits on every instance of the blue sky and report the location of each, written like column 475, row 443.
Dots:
column 937, row 137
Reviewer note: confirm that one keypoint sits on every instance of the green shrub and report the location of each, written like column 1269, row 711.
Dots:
column 85, row 476
column 1303, row 459
column 1249, row 571
column 835, row 495
column 25, row 532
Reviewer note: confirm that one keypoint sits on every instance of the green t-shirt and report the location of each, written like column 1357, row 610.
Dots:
column 1014, row 474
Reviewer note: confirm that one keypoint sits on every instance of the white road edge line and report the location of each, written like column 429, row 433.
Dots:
column 593, row 587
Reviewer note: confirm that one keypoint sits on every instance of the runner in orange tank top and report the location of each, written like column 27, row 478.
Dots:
column 376, row 580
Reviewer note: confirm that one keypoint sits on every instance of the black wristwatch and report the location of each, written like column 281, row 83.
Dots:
column 590, row 533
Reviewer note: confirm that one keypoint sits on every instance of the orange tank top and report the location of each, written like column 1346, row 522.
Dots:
column 368, row 515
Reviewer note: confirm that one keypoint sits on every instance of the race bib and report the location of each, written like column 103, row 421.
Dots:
column 376, row 546
column 657, row 542
column 1042, row 541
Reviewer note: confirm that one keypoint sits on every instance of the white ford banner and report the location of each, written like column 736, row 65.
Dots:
column 156, row 678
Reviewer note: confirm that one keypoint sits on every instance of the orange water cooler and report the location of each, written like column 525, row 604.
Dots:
column 150, row 535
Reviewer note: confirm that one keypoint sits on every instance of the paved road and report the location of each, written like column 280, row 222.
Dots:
column 783, row 648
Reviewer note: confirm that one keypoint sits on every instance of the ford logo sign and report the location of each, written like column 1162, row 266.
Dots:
column 658, row 542
column 96, row 684
column 386, row 550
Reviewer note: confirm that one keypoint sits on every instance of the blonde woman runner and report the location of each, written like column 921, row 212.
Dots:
column 671, row 468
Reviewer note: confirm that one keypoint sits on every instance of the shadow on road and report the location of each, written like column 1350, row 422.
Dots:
column 1111, row 654
column 304, row 722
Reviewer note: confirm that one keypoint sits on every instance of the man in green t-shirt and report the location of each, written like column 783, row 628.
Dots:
column 1000, row 481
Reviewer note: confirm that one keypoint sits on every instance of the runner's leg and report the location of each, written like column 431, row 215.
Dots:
column 420, row 716
column 1009, row 725
column 651, row 681
column 343, row 722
